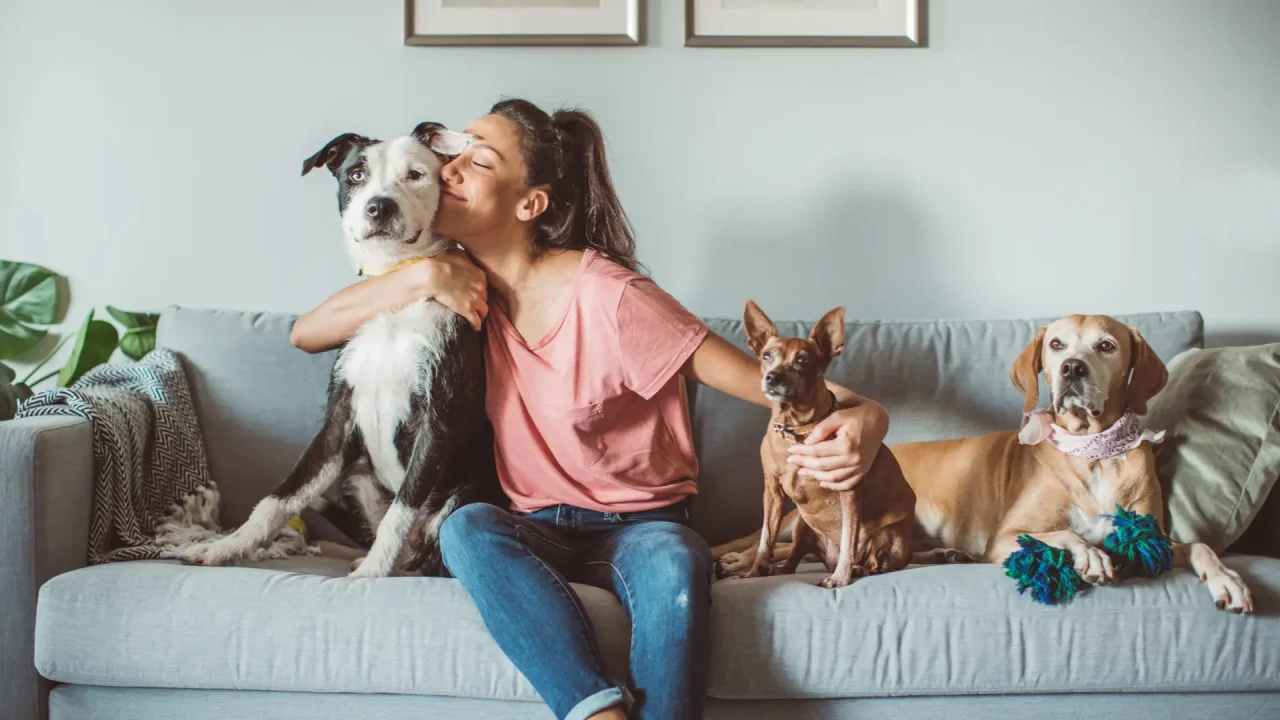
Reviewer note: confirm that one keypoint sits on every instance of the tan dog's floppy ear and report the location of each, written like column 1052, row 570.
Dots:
column 760, row 329
column 829, row 332
column 1026, row 371
column 1149, row 373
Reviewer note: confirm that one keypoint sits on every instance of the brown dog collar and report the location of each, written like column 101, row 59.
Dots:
column 801, row 431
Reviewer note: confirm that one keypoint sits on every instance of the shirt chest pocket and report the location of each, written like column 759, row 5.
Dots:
column 574, row 435
column 617, row 441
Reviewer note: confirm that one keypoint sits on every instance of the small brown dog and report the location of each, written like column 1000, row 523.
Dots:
column 858, row 532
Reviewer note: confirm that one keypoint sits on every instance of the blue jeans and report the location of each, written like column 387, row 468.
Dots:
column 517, row 567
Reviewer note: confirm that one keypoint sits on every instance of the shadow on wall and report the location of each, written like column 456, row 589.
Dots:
column 861, row 245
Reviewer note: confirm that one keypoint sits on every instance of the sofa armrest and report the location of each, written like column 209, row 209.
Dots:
column 46, row 491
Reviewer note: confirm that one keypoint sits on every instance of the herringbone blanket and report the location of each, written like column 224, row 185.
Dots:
column 153, row 494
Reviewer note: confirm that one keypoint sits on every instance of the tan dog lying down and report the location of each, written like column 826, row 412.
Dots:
column 976, row 495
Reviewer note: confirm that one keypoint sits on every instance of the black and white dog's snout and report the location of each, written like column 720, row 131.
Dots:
column 381, row 209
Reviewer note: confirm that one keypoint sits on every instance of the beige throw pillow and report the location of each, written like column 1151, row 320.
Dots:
column 1221, row 455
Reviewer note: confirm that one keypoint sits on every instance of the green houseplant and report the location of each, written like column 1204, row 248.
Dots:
column 29, row 300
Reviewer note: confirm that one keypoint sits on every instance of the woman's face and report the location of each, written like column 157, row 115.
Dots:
column 483, row 192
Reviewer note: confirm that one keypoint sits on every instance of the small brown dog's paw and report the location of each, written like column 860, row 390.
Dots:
column 755, row 572
column 782, row 568
column 834, row 582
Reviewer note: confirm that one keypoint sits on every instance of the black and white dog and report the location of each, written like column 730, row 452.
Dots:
column 405, row 431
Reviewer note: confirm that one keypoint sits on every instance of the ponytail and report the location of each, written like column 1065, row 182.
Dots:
column 565, row 152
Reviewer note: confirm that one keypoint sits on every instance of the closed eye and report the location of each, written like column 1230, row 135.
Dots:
column 478, row 164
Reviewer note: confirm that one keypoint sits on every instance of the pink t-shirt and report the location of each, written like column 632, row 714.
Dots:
column 595, row 414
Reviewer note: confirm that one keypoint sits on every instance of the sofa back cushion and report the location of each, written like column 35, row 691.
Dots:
column 260, row 400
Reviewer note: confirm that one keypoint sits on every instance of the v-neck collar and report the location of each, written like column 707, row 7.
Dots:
column 510, row 328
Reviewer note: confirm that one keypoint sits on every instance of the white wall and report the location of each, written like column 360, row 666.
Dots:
column 1040, row 157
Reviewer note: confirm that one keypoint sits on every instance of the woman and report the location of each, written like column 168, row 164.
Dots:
column 584, row 363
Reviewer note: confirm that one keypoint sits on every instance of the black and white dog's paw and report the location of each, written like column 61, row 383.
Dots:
column 225, row 551
column 364, row 568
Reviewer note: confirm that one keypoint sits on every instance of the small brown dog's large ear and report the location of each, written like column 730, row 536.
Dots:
column 1026, row 371
column 760, row 329
column 1149, row 374
column 829, row 332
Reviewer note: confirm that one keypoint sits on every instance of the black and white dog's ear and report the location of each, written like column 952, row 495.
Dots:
column 442, row 140
column 332, row 155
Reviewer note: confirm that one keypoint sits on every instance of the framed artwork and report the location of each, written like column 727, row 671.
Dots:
column 522, row 22
column 805, row 23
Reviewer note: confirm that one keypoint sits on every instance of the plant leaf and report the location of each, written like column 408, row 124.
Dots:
column 137, row 342
column 131, row 320
column 8, row 393
column 16, row 338
column 28, row 296
column 139, row 334
column 28, row 293
column 95, row 342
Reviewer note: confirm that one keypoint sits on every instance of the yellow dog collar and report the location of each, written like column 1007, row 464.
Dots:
column 367, row 270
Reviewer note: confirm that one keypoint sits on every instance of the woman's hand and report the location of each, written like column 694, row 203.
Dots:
column 840, row 450
column 452, row 279
column 459, row 285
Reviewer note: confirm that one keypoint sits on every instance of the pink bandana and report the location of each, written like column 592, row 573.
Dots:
column 1126, row 434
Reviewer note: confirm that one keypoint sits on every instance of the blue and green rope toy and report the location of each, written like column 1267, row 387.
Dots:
column 1136, row 544
column 1047, row 572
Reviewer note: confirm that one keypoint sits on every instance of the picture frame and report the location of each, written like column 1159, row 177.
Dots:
column 805, row 23
column 522, row 22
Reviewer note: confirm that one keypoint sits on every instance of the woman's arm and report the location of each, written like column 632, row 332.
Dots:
column 841, row 448
column 451, row 279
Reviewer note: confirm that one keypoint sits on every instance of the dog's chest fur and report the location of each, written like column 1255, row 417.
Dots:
column 1095, row 490
column 389, row 362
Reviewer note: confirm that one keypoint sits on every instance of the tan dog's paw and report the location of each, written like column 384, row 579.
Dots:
column 949, row 556
column 1229, row 591
column 1093, row 565
column 731, row 564
column 834, row 582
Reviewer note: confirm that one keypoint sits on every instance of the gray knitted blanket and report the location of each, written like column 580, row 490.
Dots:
column 152, row 494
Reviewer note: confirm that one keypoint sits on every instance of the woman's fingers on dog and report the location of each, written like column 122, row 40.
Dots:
column 842, row 480
column 816, row 462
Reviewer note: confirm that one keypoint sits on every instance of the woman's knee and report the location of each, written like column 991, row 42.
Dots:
column 676, row 562
column 469, row 526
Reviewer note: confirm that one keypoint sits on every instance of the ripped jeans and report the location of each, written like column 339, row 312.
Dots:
column 517, row 567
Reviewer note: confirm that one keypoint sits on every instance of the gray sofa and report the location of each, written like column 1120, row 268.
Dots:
column 295, row 639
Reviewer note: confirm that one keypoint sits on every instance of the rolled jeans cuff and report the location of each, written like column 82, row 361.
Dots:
column 603, row 700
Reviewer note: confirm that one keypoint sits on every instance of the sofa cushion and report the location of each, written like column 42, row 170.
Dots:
column 294, row 624
column 963, row 629
column 1221, row 455
column 937, row 379
column 259, row 400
